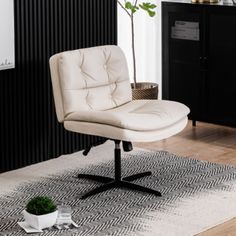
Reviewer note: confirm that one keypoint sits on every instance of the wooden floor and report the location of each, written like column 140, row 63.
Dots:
column 204, row 142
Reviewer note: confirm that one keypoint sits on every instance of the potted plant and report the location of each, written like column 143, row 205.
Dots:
column 141, row 90
column 40, row 213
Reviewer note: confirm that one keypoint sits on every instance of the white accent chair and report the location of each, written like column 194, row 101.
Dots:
column 93, row 96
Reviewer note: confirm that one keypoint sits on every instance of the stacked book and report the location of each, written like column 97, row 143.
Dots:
column 185, row 30
column 205, row 1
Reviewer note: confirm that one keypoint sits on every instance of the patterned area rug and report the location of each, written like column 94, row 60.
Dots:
column 196, row 195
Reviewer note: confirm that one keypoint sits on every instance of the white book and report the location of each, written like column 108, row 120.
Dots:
column 185, row 33
column 187, row 24
column 194, row 38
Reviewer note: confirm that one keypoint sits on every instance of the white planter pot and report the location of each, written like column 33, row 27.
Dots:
column 40, row 221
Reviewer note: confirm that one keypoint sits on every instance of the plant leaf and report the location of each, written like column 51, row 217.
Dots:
column 148, row 7
column 152, row 6
column 132, row 8
column 151, row 13
column 128, row 5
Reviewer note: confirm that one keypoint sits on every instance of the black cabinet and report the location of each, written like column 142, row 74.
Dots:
column 201, row 72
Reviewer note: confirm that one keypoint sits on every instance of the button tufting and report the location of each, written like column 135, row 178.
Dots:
column 87, row 100
column 79, row 69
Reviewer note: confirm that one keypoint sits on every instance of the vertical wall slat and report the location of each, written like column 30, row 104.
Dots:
column 28, row 126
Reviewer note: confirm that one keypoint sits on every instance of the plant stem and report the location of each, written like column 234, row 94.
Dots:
column 133, row 49
column 124, row 8
column 131, row 15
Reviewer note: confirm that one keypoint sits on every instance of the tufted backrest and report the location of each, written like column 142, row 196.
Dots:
column 89, row 79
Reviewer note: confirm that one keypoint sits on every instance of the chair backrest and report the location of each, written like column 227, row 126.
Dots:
column 94, row 78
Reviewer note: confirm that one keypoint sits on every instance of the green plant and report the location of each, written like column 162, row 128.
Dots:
column 131, row 8
column 40, row 206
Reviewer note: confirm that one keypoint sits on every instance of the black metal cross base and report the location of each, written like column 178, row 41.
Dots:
column 118, row 182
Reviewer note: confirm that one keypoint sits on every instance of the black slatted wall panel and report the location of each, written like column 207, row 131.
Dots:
column 29, row 129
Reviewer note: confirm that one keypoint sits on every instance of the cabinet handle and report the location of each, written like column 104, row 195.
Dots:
column 204, row 58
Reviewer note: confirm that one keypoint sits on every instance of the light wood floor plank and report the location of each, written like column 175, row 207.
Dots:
column 208, row 142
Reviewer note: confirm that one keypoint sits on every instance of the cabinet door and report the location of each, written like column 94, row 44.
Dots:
column 182, row 75
column 185, row 74
column 221, row 54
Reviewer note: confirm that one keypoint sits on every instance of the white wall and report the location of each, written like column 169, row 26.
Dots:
column 7, row 57
column 147, row 40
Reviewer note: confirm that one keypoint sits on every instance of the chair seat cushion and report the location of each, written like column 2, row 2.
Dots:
column 137, row 115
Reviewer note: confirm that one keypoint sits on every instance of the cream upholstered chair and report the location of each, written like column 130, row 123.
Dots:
column 92, row 96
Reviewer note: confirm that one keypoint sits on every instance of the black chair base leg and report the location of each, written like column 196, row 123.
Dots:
column 139, row 188
column 97, row 178
column 100, row 189
column 120, row 184
column 137, row 176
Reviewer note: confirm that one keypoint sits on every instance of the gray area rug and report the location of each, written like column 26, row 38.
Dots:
column 196, row 195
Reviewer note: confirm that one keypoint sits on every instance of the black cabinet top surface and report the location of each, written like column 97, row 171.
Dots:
column 200, row 4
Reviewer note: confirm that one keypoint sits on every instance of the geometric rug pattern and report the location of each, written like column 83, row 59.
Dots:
column 124, row 212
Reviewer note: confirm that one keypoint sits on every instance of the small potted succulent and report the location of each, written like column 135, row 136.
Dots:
column 40, row 213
